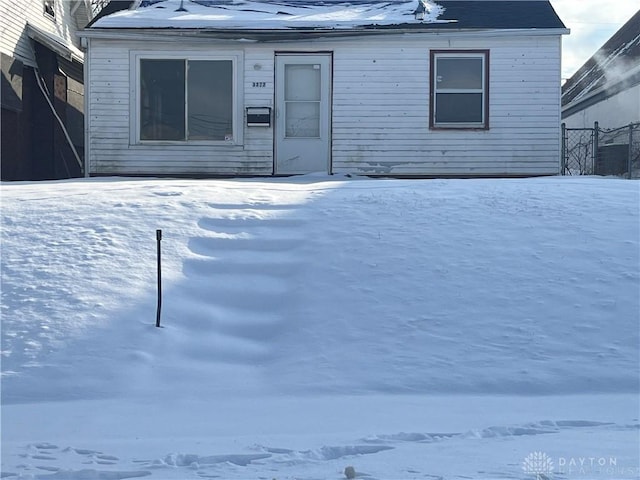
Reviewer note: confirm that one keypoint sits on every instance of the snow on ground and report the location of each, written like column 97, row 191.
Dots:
column 425, row 329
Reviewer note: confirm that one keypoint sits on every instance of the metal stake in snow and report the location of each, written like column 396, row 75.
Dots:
column 159, row 238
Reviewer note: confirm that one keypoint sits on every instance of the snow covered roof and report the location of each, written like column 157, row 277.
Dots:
column 333, row 14
column 614, row 67
column 250, row 14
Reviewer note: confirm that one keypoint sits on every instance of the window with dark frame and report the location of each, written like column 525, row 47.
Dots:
column 50, row 8
column 183, row 99
column 459, row 91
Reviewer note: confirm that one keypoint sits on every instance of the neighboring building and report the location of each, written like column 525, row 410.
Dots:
column 606, row 89
column 42, row 71
column 400, row 87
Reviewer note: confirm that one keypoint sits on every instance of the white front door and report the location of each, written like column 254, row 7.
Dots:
column 302, row 129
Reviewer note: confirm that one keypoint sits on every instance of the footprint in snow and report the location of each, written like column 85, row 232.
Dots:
column 90, row 474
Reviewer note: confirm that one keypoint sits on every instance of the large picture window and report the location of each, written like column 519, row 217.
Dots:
column 459, row 89
column 186, row 99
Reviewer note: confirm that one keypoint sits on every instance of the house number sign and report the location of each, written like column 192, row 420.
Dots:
column 259, row 84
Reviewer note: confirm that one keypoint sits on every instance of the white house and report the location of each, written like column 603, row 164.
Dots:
column 280, row 87
column 606, row 89
column 42, row 94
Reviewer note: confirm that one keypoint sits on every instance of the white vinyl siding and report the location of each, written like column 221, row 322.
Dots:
column 615, row 111
column 14, row 15
column 112, row 143
column 380, row 109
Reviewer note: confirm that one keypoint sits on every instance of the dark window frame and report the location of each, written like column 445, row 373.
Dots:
column 49, row 9
column 484, row 54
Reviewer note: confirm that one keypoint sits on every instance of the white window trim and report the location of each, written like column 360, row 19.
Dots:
column 237, row 60
column 461, row 125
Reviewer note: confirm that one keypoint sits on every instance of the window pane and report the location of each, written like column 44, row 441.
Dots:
column 302, row 82
column 459, row 73
column 162, row 100
column 459, row 108
column 302, row 119
column 50, row 8
column 210, row 104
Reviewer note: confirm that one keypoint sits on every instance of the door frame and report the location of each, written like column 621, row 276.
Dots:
column 284, row 53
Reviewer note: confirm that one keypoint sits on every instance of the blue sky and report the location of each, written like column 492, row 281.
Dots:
column 592, row 23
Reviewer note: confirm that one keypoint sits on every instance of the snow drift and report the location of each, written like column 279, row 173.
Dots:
column 390, row 305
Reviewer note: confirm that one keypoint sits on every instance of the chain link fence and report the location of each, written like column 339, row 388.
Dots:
column 599, row 151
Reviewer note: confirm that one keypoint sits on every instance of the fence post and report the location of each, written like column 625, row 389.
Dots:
column 596, row 140
column 158, row 240
column 630, row 151
column 563, row 149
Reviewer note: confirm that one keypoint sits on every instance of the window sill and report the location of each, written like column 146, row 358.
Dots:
column 456, row 128
column 185, row 144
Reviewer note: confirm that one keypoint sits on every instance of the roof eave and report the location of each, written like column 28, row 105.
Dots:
column 55, row 44
column 308, row 32
column 600, row 94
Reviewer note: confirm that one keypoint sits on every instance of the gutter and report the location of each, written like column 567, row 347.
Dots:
column 310, row 33
column 68, row 52
column 601, row 94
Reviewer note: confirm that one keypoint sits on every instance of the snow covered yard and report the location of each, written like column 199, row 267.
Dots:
column 477, row 329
